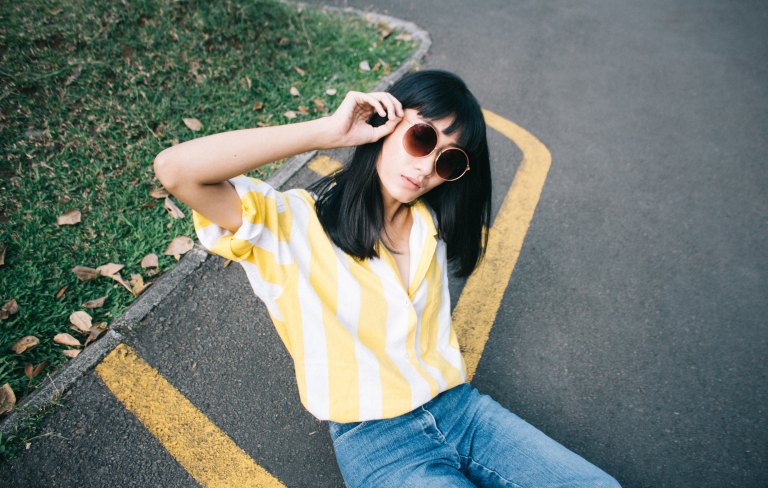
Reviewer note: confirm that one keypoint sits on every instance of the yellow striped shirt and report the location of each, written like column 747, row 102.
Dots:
column 363, row 346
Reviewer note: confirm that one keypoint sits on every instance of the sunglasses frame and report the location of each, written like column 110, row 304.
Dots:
column 452, row 148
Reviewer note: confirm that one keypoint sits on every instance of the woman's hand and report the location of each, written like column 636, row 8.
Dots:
column 350, row 121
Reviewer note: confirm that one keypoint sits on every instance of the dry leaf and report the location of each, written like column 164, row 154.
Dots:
column 25, row 343
column 10, row 308
column 319, row 103
column 226, row 263
column 96, row 331
column 31, row 372
column 193, row 124
column 7, row 399
column 174, row 211
column 81, row 321
column 295, row 91
column 69, row 218
column 120, row 280
column 178, row 246
column 109, row 269
column 99, row 302
column 60, row 293
column 70, row 353
column 248, row 82
column 364, row 66
column 65, row 339
column 85, row 273
column 2, row 255
column 138, row 285
column 385, row 32
column 290, row 114
column 300, row 71
column 330, row 91
column 258, row 105
column 159, row 193
column 303, row 110
column 149, row 261
column 403, row 37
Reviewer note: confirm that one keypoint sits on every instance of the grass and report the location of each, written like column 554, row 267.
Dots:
column 92, row 91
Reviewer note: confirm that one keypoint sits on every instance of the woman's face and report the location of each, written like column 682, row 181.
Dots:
column 403, row 177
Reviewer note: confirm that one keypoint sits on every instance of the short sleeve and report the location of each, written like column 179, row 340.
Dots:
column 264, row 221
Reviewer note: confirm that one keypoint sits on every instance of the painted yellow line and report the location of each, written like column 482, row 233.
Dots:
column 323, row 165
column 204, row 450
column 479, row 302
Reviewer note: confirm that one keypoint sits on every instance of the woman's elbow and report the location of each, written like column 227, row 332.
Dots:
column 164, row 170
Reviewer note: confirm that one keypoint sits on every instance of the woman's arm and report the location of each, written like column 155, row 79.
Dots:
column 196, row 171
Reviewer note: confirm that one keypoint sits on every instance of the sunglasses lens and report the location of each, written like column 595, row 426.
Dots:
column 420, row 140
column 451, row 164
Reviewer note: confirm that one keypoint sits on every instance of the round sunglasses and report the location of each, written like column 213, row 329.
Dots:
column 420, row 140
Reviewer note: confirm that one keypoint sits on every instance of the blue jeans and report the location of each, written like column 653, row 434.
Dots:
column 459, row 438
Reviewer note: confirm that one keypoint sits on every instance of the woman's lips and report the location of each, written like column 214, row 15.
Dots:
column 409, row 183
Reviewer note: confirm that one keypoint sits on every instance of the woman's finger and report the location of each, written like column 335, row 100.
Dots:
column 385, row 129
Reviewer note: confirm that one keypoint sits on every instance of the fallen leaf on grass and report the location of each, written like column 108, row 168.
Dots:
column 96, row 331
column 2, row 255
column 319, row 103
column 178, row 246
column 120, row 280
column 290, row 114
column 99, row 302
column 403, row 37
column 7, row 399
column 330, row 91
column 364, row 66
column 66, row 340
column 109, row 269
column 258, row 105
column 193, row 124
column 303, row 110
column 295, row 92
column 174, row 211
column 159, row 193
column 10, row 308
column 149, row 261
column 69, row 218
column 60, row 293
column 385, row 32
column 81, row 321
column 71, row 353
column 300, row 71
column 31, row 372
column 85, row 273
column 138, row 285
column 25, row 343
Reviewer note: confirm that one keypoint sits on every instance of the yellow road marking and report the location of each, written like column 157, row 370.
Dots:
column 323, row 165
column 479, row 302
column 204, row 450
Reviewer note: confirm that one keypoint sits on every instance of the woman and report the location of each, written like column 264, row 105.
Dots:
column 354, row 274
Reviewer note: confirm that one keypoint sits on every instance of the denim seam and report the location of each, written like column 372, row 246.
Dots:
column 338, row 440
column 486, row 468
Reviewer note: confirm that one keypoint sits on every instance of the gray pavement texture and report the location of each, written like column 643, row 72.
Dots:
column 634, row 328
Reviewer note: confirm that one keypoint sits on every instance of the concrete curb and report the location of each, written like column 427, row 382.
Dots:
column 64, row 379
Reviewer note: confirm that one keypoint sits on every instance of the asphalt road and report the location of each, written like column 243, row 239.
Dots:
column 634, row 327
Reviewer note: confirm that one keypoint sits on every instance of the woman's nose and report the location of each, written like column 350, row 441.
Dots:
column 425, row 165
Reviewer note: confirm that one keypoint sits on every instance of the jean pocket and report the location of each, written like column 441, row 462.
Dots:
column 339, row 432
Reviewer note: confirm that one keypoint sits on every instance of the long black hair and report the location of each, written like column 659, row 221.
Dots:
column 349, row 202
